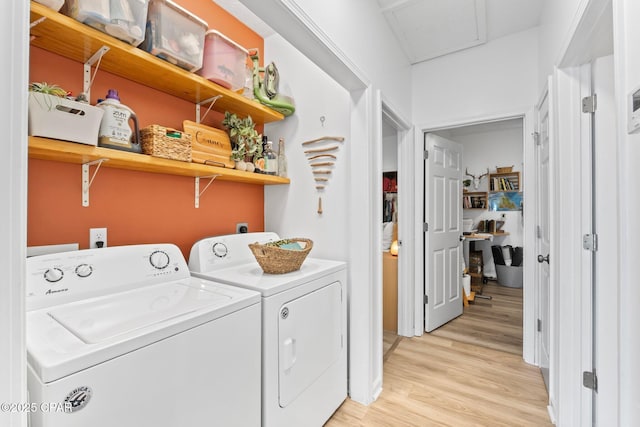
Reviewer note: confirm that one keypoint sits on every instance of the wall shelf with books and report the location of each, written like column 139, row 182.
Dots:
column 506, row 181
column 474, row 200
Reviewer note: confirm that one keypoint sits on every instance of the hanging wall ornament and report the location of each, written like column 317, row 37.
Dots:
column 321, row 159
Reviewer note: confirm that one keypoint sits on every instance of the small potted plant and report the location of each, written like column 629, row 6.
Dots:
column 49, row 93
column 245, row 139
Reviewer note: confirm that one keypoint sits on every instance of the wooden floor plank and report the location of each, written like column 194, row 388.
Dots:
column 469, row 372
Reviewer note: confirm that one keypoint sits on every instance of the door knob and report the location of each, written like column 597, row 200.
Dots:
column 542, row 259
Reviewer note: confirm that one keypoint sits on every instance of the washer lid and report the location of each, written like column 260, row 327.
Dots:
column 251, row 276
column 68, row 338
column 99, row 319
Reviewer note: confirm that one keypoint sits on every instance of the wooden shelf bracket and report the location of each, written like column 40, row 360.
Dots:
column 200, row 193
column 86, row 181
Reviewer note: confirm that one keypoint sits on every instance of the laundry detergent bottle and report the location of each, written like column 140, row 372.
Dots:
column 115, row 129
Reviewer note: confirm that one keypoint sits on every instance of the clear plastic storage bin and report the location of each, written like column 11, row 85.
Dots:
column 52, row 4
column 175, row 34
column 225, row 61
column 122, row 19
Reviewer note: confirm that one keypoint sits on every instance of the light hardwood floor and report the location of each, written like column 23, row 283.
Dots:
column 441, row 380
column 494, row 323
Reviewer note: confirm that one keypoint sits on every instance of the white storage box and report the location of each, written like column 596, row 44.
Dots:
column 224, row 62
column 122, row 19
column 60, row 118
column 175, row 35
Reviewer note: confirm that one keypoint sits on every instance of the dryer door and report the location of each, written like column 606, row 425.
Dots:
column 310, row 339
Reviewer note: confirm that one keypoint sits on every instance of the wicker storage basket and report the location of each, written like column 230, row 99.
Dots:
column 275, row 260
column 504, row 169
column 167, row 143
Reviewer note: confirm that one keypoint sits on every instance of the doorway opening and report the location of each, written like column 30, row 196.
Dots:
column 390, row 245
column 493, row 166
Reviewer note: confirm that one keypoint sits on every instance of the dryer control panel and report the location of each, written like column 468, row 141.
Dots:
column 71, row 276
column 218, row 252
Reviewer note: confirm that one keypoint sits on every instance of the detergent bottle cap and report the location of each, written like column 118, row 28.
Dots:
column 113, row 94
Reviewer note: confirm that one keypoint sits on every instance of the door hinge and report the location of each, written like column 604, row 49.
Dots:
column 590, row 242
column 589, row 104
column 590, row 380
column 539, row 326
column 425, row 227
column 426, row 299
column 425, row 155
column 538, row 232
column 536, row 138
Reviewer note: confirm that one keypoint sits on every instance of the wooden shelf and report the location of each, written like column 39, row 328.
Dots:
column 70, row 152
column 474, row 200
column 67, row 37
column 507, row 182
column 474, row 236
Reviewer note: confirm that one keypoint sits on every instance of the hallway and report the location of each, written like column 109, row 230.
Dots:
column 453, row 378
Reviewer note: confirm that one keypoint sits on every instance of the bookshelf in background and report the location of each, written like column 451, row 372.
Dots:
column 507, row 181
column 474, row 200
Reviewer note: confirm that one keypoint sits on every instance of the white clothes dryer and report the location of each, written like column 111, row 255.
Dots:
column 125, row 336
column 304, row 316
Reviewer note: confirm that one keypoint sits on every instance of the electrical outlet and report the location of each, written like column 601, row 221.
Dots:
column 242, row 227
column 97, row 235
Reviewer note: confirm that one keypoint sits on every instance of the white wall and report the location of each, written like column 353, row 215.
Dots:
column 627, row 63
column 374, row 49
column 557, row 24
column 14, row 50
column 389, row 148
column 489, row 146
column 291, row 210
column 497, row 77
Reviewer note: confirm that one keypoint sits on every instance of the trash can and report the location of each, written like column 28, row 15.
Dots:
column 509, row 275
column 508, row 262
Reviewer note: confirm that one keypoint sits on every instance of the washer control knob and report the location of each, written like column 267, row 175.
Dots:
column 53, row 275
column 220, row 250
column 84, row 270
column 159, row 259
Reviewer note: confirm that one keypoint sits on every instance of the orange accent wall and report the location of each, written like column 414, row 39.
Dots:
column 136, row 207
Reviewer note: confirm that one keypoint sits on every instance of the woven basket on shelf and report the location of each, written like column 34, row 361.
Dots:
column 160, row 141
column 504, row 169
column 275, row 260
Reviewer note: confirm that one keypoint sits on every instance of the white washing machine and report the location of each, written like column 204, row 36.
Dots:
column 304, row 341
column 125, row 336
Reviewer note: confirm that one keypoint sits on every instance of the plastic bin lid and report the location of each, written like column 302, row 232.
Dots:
column 186, row 12
column 227, row 39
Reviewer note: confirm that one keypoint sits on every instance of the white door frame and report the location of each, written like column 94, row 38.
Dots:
column 572, row 293
column 406, row 207
column 527, row 114
column 14, row 48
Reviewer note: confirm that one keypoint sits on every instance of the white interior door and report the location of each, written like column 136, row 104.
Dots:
column 543, row 241
column 443, row 269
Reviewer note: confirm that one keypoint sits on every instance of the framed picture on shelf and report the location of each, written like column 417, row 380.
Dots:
column 505, row 201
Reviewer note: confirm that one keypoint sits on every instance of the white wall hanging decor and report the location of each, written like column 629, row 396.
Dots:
column 322, row 161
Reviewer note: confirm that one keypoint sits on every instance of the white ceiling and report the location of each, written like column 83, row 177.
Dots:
column 426, row 29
